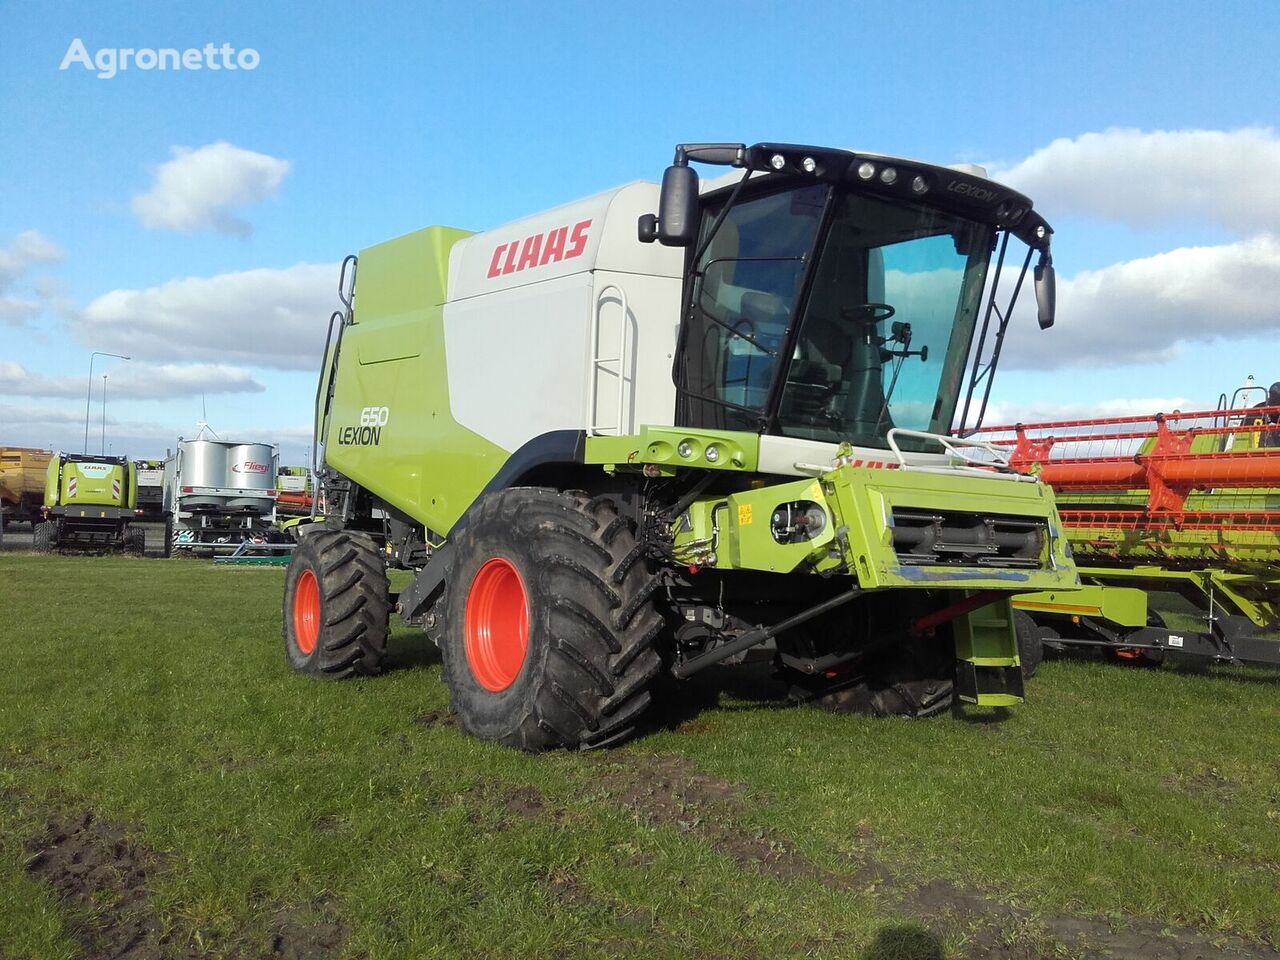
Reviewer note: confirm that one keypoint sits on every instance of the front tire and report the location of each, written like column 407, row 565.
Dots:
column 550, row 624
column 135, row 540
column 336, row 606
column 42, row 536
column 1030, row 643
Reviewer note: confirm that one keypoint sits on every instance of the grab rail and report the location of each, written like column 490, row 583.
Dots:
column 601, row 364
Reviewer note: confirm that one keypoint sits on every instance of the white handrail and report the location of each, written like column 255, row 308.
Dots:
column 998, row 468
column 599, row 363
column 951, row 444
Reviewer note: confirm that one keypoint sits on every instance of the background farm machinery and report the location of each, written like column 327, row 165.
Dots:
column 1174, row 520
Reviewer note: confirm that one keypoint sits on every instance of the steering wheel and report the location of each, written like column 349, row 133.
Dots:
column 868, row 312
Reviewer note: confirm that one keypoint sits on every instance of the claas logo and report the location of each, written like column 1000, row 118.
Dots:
column 562, row 243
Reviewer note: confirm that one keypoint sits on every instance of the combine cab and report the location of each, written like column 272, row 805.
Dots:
column 1174, row 520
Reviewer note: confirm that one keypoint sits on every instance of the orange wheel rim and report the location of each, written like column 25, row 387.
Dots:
column 496, row 625
column 306, row 611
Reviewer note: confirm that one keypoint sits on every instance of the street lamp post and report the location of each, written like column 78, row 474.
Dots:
column 102, row 450
column 88, row 394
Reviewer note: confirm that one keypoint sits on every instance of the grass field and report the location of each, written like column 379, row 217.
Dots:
column 167, row 788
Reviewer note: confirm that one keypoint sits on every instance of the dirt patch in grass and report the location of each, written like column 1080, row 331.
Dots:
column 670, row 791
column 1208, row 784
column 306, row 933
column 499, row 806
column 436, row 718
column 566, row 889
column 524, row 802
column 101, row 873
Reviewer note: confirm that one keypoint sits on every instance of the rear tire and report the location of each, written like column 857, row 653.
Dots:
column 336, row 606
column 42, row 536
column 550, row 625
column 135, row 540
column 168, row 539
column 1030, row 643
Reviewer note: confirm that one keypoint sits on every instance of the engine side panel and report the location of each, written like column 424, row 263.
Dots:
column 391, row 426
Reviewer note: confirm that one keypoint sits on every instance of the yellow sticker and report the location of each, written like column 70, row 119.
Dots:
column 744, row 514
column 815, row 491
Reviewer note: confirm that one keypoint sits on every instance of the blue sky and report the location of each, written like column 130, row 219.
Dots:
column 372, row 120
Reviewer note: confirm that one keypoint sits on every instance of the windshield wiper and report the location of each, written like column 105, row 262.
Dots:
column 902, row 335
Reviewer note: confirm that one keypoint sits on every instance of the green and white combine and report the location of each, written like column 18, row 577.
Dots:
column 608, row 458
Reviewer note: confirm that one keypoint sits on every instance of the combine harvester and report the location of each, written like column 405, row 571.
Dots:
column 1174, row 520
column 606, row 457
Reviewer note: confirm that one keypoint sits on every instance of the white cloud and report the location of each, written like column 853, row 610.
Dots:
column 63, row 428
column 41, row 415
column 1010, row 412
column 28, row 249
column 1143, row 311
column 265, row 317
column 133, row 381
column 14, row 311
column 1142, row 178
column 199, row 187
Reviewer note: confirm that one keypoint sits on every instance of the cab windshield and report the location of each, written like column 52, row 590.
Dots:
column 836, row 330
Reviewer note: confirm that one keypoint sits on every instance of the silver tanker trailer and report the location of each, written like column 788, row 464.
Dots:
column 220, row 493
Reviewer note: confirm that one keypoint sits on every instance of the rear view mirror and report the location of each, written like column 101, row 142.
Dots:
column 678, row 207
column 1046, row 292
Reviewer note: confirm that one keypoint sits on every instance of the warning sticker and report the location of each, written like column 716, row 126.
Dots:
column 744, row 514
column 1175, row 640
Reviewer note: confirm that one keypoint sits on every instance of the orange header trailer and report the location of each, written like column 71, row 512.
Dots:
column 1209, row 469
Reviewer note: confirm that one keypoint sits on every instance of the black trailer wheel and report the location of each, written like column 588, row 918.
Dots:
column 43, row 536
column 913, row 678
column 550, row 625
column 135, row 540
column 1030, row 643
column 336, row 605
column 168, row 539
